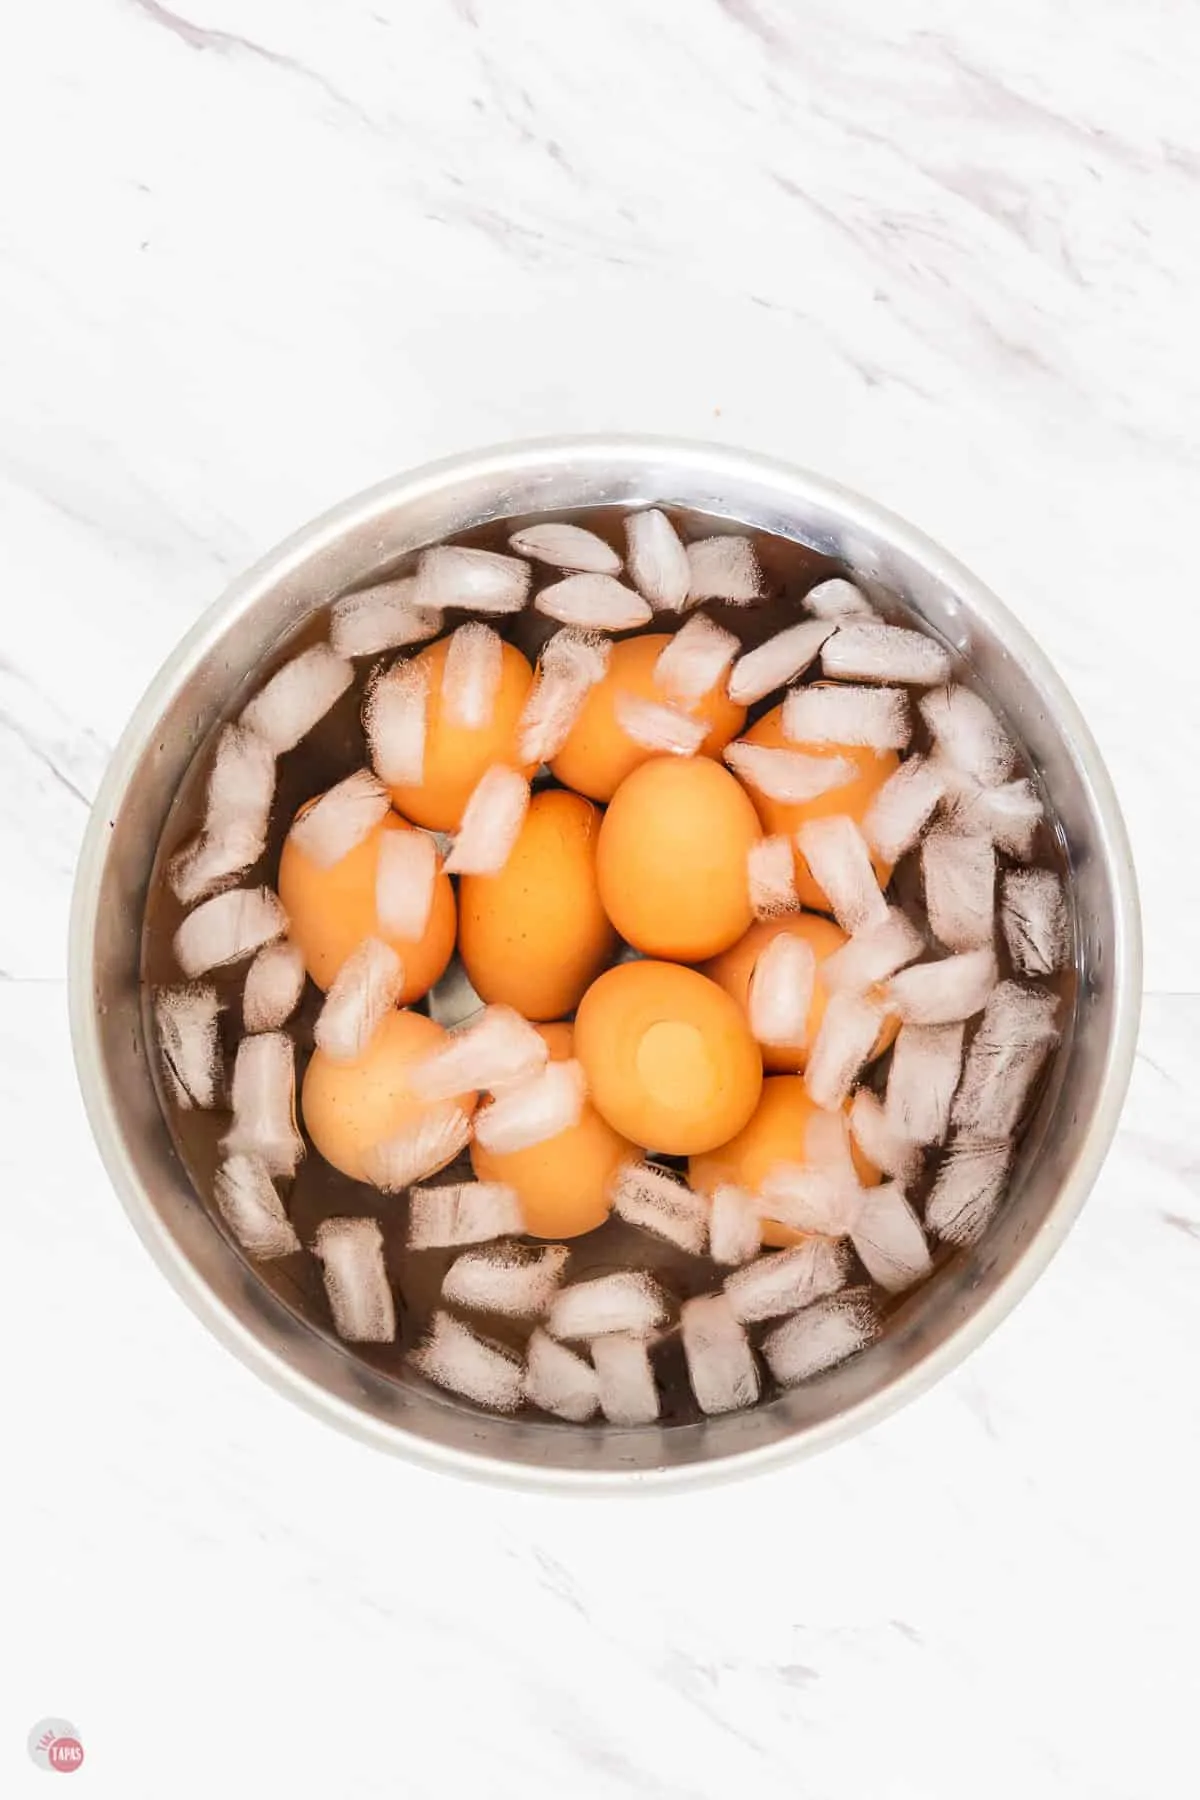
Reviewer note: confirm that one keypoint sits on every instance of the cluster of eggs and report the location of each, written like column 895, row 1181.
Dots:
column 635, row 852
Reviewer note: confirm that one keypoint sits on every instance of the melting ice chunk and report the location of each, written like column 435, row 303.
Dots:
column 452, row 1356
column 476, row 580
column 559, row 1381
column 939, row 993
column 264, row 1103
column 253, row 1211
column 903, row 807
column 628, row 1395
column 394, row 718
column 771, row 875
column 883, row 1143
column 864, row 650
column 723, row 568
column 471, row 676
column 384, row 617
column 227, row 928
column 241, row 787
column 186, row 1019
column 845, row 1041
column 838, row 599
column 926, row 1064
column 694, row 660
column 655, row 1201
column 274, row 985
column 628, row 1301
column 657, row 560
column 301, row 693
column 364, row 991
column 467, row 1212
column 565, row 546
column 821, row 1336
column 336, row 823
column 422, row 1147
column 1009, row 814
column 572, row 662
column 837, row 855
column 593, row 603
column 776, row 662
column 721, row 1365
column 872, row 954
column 967, row 1191
column 871, row 717
column 959, row 874
column 405, row 880
column 889, row 1240
column 734, row 1226
column 661, row 728
column 509, row 1279
column 783, row 1280
column 356, row 1282
column 968, row 734
column 534, row 1111
column 1033, row 912
column 1014, row 1038
column 497, row 1050
column 781, row 991
column 491, row 823
column 788, row 775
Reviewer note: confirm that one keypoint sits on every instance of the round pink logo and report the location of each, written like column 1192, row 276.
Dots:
column 55, row 1744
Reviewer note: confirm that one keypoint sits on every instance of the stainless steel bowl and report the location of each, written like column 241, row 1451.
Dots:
column 940, row 1322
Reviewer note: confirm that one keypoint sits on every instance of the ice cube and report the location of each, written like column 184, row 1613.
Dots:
column 1033, row 912
column 566, row 547
column 660, row 728
column 274, row 985
column 301, row 693
column 241, row 787
column 657, row 560
column 650, row 1198
column 356, row 1282
column 781, row 991
column 227, row 928
column 959, row 875
column 264, row 1103
column 694, row 660
column 543, row 1107
column 879, row 1139
column 939, row 993
column 865, row 650
column 467, row 1212
column 497, row 1050
column 836, row 853
column 771, row 874
column 845, row 1041
column 337, row 822
column 625, row 1379
column 889, row 1240
column 776, row 662
column 838, row 599
column 253, row 1211
column 571, row 664
column 968, row 734
column 926, row 1064
column 491, row 823
column 720, row 1362
column 395, row 714
column 559, row 1381
column 422, row 1147
column 821, row 1336
column 364, row 991
column 723, row 568
column 1013, row 1039
column 872, row 954
column 870, row 717
column 788, row 775
column 471, row 677
column 405, row 879
column 734, row 1226
column 783, row 1280
column 1009, row 814
column 819, row 1196
column 453, row 1357
column 476, row 580
column 186, row 1019
column 627, row 1301
column 510, row 1279
column 385, row 617
column 593, row 603
column 903, row 807
column 968, row 1189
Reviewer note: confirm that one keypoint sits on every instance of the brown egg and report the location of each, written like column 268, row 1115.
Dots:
column 668, row 1056
column 562, row 1183
column 349, row 1108
column 535, row 935
column 598, row 754
column 456, row 756
column 777, row 1133
column 672, row 859
column 733, row 969
column 780, row 817
column 330, row 912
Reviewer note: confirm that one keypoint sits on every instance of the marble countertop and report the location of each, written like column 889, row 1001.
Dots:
column 256, row 255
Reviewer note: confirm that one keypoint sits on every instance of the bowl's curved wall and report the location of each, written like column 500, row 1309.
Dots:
column 938, row 1323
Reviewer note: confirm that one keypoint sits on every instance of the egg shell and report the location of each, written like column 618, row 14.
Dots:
column 776, row 1133
column 535, row 935
column 672, row 858
column 599, row 754
column 563, row 1183
column 331, row 911
column 456, row 756
column 350, row 1107
column 669, row 1058
column 734, row 968
column 853, row 799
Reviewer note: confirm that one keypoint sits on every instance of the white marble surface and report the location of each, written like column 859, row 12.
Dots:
column 254, row 255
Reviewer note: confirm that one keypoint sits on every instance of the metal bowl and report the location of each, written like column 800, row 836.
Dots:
column 939, row 1323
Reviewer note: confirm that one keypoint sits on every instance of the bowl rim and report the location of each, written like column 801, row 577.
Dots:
column 713, row 459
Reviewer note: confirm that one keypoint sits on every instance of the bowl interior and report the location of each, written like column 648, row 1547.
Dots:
column 364, row 538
